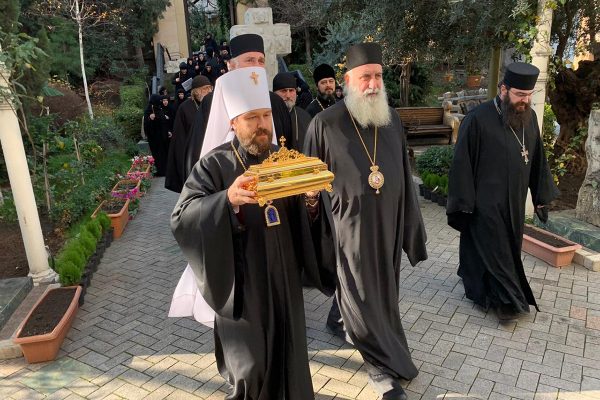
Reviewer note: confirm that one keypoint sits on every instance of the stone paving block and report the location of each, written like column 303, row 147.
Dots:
column 161, row 393
column 131, row 392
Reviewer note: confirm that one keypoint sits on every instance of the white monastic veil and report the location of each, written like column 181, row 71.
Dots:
column 231, row 98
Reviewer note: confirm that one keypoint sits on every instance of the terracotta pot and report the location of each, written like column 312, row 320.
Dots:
column 118, row 221
column 40, row 348
column 555, row 256
column 449, row 77
column 473, row 81
column 128, row 181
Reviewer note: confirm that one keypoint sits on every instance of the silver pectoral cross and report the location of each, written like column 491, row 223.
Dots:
column 525, row 154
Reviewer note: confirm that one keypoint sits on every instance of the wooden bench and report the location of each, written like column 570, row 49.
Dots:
column 425, row 125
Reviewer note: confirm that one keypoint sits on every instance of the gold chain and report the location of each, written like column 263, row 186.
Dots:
column 363, row 142
column 238, row 156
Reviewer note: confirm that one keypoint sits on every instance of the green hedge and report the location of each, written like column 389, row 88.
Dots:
column 133, row 96
column 435, row 160
column 129, row 119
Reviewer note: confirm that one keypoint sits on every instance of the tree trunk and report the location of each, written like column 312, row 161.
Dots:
column 494, row 73
column 83, row 75
column 307, row 46
column 139, row 54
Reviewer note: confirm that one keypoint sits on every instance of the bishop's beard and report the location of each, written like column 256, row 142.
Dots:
column 253, row 146
column 513, row 117
column 368, row 110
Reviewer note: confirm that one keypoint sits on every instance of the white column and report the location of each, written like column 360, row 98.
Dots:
column 22, row 190
column 540, row 56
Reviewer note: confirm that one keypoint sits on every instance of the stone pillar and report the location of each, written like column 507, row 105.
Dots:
column 588, row 201
column 20, row 183
column 277, row 37
column 540, row 56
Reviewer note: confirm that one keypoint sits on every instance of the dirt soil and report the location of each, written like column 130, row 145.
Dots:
column 49, row 313
column 552, row 240
column 13, row 261
column 569, row 191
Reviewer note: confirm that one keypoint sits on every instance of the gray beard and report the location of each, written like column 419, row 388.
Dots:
column 254, row 148
column 368, row 111
column 513, row 118
column 290, row 104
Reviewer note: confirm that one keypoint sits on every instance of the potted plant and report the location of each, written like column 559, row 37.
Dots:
column 443, row 196
column 553, row 249
column 141, row 166
column 44, row 329
column 427, row 187
column 118, row 211
column 127, row 188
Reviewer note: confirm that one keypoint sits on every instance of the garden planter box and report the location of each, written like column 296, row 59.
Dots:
column 473, row 81
column 145, row 170
column 51, row 316
column 122, row 186
column 118, row 220
column 427, row 193
column 553, row 249
column 442, row 200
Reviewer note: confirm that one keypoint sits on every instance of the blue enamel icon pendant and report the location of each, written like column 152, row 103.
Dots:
column 271, row 215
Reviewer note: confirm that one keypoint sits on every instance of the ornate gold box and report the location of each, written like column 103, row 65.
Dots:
column 288, row 173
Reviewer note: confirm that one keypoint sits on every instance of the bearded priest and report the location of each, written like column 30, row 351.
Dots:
column 376, row 216
column 498, row 156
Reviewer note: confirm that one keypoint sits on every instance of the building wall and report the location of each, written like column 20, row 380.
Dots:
column 172, row 30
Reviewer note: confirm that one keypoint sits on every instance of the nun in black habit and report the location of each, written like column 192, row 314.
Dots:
column 499, row 155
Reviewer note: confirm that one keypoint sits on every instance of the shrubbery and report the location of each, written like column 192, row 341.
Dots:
column 435, row 160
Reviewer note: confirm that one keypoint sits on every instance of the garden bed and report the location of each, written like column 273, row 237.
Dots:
column 48, row 313
column 13, row 260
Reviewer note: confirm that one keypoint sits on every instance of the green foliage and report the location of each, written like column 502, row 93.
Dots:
column 9, row 16
column 129, row 119
column 391, row 80
column 307, row 73
column 95, row 228
column 548, row 134
column 88, row 243
column 104, row 221
column 36, row 77
column 420, row 83
column 72, row 252
column 435, row 160
column 133, row 95
column 64, row 48
column 8, row 212
column 341, row 34
column 69, row 273
column 560, row 166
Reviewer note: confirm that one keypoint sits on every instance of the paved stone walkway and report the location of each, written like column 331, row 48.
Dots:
column 122, row 345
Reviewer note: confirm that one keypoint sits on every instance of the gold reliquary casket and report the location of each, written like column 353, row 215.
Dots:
column 288, row 173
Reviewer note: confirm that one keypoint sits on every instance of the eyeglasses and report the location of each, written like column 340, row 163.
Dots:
column 522, row 95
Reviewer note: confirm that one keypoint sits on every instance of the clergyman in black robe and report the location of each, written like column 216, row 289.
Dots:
column 324, row 77
column 372, row 229
column 498, row 156
column 247, row 51
column 284, row 85
column 154, row 127
column 248, row 272
column 184, row 119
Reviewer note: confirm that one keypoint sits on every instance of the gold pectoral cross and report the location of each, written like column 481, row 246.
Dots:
column 254, row 77
column 525, row 154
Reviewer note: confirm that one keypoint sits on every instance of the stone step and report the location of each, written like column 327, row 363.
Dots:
column 12, row 292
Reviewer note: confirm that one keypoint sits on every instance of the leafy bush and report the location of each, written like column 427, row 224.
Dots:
column 93, row 226
column 72, row 252
column 8, row 212
column 129, row 119
column 69, row 273
column 88, row 243
column 436, row 160
column 420, row 84
column 133, row 96
column 104, row 221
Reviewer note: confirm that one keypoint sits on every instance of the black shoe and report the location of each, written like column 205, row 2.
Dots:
column 396, row 394
column 507, row 314
column 336, row 329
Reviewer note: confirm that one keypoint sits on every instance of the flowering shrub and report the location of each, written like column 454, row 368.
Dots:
column 125, row 193
column 142, row 160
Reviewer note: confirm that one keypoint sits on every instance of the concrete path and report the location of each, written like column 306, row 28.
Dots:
column 123, row 346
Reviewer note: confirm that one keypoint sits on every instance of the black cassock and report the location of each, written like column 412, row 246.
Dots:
column 250, row 275
column 281, row 121
column 488, row 185
column 156, row 131
column 300, row 120
column 371, row 231
column 184, row 119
